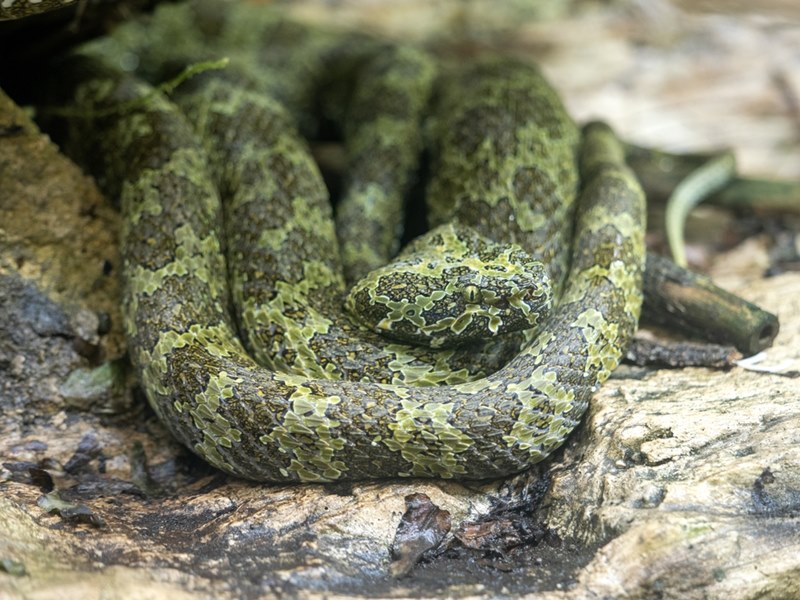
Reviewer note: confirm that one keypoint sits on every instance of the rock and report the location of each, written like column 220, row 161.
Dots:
column 102, row 389
column 691, row 478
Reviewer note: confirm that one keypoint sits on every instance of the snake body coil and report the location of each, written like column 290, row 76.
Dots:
column 504, row 165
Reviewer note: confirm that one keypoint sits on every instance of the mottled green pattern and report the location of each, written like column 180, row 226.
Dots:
column 504, row 159
column 330, row 401
column 383, row 140
column 270, row 425
column 284, row 265
column 453, row 286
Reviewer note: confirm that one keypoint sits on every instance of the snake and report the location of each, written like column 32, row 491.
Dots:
column 505, row 165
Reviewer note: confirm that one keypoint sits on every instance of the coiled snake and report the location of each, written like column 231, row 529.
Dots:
column 504, row 163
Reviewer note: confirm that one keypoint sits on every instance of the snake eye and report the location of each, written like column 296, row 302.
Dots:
column 472, row 294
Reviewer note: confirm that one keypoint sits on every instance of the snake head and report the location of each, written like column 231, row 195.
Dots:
column 453, row 291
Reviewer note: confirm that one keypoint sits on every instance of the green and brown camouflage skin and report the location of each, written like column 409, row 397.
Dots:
column 504, row 164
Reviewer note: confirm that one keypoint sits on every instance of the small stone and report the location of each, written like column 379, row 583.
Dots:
column 85, row 325
column 99, row 390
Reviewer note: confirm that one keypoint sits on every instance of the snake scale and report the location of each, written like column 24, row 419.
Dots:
column 504, row 162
